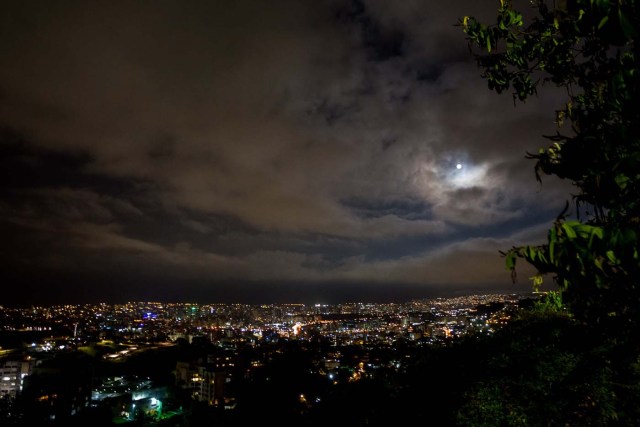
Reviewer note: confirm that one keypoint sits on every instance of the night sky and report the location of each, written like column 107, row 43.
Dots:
column 259, row 151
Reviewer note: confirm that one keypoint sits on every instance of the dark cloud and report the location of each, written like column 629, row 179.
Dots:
column 270, row 145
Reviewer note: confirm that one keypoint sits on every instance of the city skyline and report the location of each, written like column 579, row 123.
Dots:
column 162, row 358
column 285, row 152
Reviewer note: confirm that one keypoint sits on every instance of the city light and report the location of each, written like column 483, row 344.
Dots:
column 229, row 330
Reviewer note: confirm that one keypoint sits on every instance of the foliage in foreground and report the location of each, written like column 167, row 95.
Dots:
column 589, row 48
column 547, row 369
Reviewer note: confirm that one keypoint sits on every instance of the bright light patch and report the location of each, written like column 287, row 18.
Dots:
column 296, row 328
column 468, row 176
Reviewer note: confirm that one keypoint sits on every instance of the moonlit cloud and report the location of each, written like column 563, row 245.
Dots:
column 221, row 149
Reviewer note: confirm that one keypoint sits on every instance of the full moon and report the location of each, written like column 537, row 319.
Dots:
column 459, row 166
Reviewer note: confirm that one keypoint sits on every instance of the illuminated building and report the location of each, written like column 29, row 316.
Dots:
column 12, row 375
column 204, row 380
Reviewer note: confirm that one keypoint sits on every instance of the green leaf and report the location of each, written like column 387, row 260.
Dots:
column 595, row 232
column 627, row 28
column 603, row 21
column 571, row 234
column 531, row 253
column 537, row 281
column 598, row 263
column 598, row 231
column 542, row 257
column 622, row 181
column 510, row 260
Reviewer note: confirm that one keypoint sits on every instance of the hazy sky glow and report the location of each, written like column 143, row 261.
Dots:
column 259, row 151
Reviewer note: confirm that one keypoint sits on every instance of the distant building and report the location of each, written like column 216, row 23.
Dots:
column 13, row 373
column 57, row 389
column 204, row 381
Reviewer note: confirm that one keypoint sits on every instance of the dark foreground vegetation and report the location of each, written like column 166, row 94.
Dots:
column 587, row 371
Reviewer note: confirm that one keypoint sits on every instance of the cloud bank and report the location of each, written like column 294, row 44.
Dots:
column 206, row 143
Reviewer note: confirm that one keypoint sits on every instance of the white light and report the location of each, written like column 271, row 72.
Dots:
column 154, row 401
column 459, row 166
column 468, row 176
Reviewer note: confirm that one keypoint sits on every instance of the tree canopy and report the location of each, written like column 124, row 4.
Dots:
column 589, row 48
